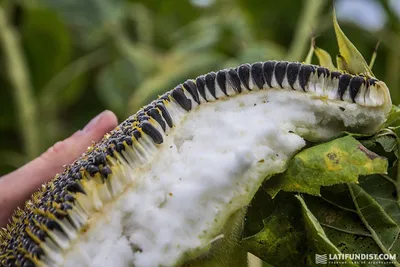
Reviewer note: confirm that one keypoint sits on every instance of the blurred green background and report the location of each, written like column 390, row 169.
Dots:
column 64, row 61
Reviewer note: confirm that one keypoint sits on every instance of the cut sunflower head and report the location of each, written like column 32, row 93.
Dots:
column 160, row 188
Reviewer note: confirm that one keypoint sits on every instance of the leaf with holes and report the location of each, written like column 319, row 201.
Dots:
column 339, row 161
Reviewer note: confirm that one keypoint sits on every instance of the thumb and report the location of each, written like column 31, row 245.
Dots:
column 16, row 187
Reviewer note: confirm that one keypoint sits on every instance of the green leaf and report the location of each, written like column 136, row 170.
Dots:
column 388, row 142
column 365, row 221
column 339, row 161
column 316, row 235
column 349, row 59
column 310, row 53
column 324, row 58
column 283, row 231
column 393, row 119
column 383, row 229
column 274, row 229
column 360, row 218
column 384, row 214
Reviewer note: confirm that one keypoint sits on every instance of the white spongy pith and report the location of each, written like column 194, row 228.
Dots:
column 209, row 166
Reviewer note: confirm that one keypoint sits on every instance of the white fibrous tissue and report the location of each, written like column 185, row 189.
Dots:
column 209, row 166
column 170, row 184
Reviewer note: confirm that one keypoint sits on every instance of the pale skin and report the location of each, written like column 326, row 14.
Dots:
column 17, row 186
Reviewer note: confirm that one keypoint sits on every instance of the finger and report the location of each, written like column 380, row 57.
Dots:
column 65, row 152
column 17, row 186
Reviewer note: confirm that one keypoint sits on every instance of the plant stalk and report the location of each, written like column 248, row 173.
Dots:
column 21, row 87
column 308, row 19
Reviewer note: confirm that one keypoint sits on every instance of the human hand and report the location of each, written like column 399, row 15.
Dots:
column 17, row 186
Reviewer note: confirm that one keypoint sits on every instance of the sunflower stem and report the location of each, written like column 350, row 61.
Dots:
column 21, row 87
column 308, row 18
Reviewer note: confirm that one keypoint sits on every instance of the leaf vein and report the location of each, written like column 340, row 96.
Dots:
column 345, row 231
column 366, row 224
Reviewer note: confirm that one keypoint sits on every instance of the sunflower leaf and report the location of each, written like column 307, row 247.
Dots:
column 349, row 59
column 339, row 161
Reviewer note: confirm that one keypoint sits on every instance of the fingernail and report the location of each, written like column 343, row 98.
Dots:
column 92, row 124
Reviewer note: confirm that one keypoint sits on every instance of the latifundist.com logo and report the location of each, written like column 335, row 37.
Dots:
column 355, row 258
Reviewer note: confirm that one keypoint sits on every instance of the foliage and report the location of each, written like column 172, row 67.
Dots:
column 62, row 62
column 341, row 160
column 347, row 217
column 347, row 214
